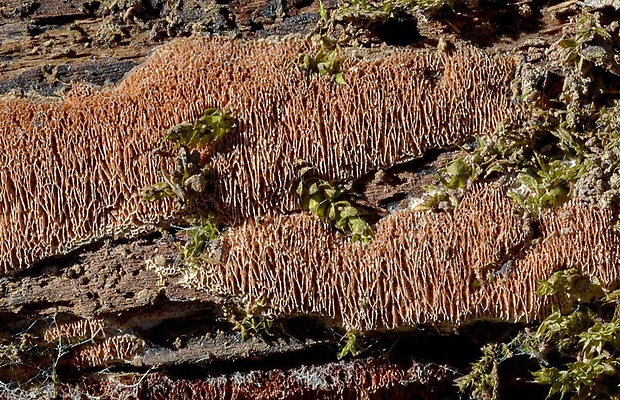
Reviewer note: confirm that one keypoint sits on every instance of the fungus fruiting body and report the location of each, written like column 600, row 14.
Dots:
column 421, row 268
column 341, row 380
column 75, row 331
column 112, row 350
column 71, row 171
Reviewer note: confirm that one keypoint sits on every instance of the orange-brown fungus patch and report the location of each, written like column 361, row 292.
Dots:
column 77, row 330
column 113, row 350
column 370, row 379
column 421, row 267
column 71, row 171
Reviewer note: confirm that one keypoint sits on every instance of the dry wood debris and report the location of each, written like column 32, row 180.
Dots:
column 341, row 380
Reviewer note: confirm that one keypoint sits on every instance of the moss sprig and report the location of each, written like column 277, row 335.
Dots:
column 352, row 344
column 254, row 320
column 207, row 130
column 325, row 62
column 187, row 184
column 483, row 379
column 577, row 347
column 329, row 202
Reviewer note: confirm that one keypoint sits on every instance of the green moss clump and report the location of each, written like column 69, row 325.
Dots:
column 254, row 320
column 207, row 130
column 325, row 62
column 187, row 184
column 353, row 341
column 330, row 203
column 577, row 347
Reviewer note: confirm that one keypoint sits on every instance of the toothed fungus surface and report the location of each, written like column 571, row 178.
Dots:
column 71, row 170
column 72, row 331
column 336, row 380
column 111, row 350
column 421, row 268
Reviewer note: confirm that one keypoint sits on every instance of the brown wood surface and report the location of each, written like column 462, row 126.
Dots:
column 191, row 348
column 46, row 46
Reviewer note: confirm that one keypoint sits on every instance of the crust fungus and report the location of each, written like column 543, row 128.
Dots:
column 81, row 329
column 483, row 262
column 420, row 268
column 579, row 236
column 112, row 350
column 71, row 171
column 94, row 344
column 392, row 110
column 355, row 379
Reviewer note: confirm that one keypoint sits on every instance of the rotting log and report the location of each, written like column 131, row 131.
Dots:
column 104, row 304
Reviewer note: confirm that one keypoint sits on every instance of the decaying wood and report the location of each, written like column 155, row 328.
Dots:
column 117, row 312
column 46, row 46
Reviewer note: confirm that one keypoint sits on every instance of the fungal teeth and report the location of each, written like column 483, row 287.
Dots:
column 421, row 267
column 72, row 171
